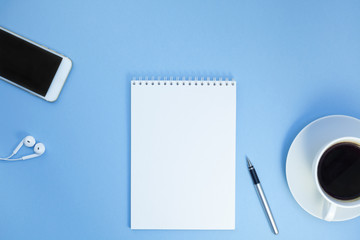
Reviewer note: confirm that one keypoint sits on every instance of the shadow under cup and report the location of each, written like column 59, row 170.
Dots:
column 338, row 171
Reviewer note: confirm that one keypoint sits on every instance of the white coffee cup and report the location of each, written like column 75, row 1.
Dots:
column 331, row 204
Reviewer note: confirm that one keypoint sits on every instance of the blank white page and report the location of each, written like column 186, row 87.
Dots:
column 183, row 154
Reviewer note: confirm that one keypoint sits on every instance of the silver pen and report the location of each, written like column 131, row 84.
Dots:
column 262, row 197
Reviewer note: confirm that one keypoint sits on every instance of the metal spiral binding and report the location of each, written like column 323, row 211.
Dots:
column 182, row 81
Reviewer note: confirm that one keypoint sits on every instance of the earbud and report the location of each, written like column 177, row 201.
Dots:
column 28, row 141
column 39, row 149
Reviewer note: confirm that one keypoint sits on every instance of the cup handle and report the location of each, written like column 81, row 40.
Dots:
column 329, row 211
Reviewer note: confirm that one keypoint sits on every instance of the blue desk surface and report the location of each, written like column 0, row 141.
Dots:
column 294, row 62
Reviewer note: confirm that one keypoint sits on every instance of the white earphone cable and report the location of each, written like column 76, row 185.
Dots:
column 10, row 156
column 11, row 159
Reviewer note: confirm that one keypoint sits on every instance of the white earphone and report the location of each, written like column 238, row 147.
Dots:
column 28, row 141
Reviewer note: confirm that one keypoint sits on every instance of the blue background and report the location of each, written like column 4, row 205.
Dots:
column 294, row 61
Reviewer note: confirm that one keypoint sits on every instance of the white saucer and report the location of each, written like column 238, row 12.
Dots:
column 301, row 154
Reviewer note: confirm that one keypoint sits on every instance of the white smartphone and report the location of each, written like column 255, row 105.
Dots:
column 31, row 66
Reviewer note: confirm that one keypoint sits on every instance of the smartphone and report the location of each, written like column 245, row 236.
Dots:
column 31, row 66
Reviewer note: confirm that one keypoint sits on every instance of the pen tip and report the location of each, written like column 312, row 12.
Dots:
column 248, row 161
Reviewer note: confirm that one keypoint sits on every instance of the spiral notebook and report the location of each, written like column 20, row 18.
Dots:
column 183, row 154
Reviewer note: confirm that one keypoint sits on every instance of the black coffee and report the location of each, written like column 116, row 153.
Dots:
column 339, row 171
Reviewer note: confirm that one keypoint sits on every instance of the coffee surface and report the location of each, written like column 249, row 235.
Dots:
column 339, row 171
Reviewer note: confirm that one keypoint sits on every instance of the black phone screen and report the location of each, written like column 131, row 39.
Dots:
column 27, row 64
